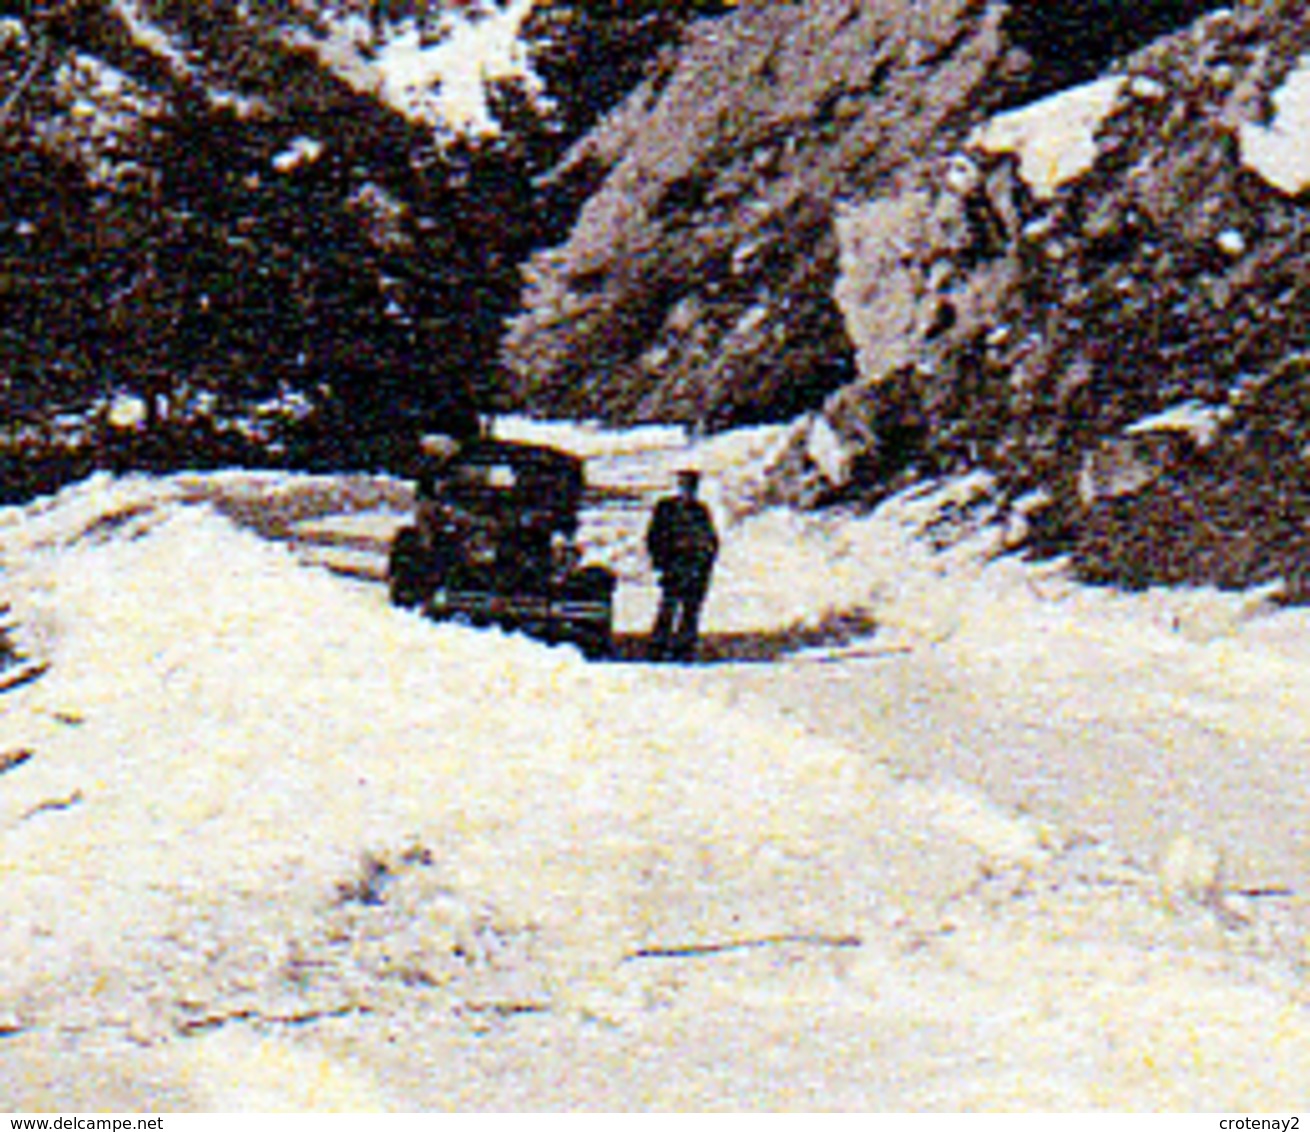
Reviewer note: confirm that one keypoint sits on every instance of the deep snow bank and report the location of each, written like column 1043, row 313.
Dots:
column 261, row 803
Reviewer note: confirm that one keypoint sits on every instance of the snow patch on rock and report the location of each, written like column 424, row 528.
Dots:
column 438, row 77
column 301, row 151
column 1055, row 138
column 1194, row 419
column 830, row 455
column 1280, row 151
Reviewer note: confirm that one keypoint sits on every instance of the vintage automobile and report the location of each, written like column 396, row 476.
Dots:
column 494, row 542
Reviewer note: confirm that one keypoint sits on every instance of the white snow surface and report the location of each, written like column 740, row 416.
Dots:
column 1196, row 419
column 439, row 78
column 280, row 846
column 1055, row 138
column 301, row 151
column 1280, row 151
column 437, row 75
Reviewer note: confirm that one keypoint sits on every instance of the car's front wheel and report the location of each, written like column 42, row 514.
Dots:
column 407, row 571
column 593, row 633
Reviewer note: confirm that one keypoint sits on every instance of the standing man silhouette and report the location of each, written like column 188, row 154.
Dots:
column 683, row 545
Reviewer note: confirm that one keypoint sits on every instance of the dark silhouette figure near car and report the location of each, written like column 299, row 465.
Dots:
column 683, row 545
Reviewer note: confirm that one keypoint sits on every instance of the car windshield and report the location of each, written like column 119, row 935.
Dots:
column 522, row 485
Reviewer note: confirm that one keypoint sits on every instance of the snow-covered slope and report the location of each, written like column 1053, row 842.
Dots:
column 265, row 819
column 437, row 70
column 434, row 69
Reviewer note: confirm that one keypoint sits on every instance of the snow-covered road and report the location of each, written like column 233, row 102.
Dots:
column 1107, row 768
column 277, row 845
column 1167, row 727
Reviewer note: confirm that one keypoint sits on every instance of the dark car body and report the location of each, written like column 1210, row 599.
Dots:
column 494, row 542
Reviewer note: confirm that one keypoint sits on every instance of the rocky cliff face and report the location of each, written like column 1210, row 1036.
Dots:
column 846, row 213
column 697, row 282
column 1101, row 299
